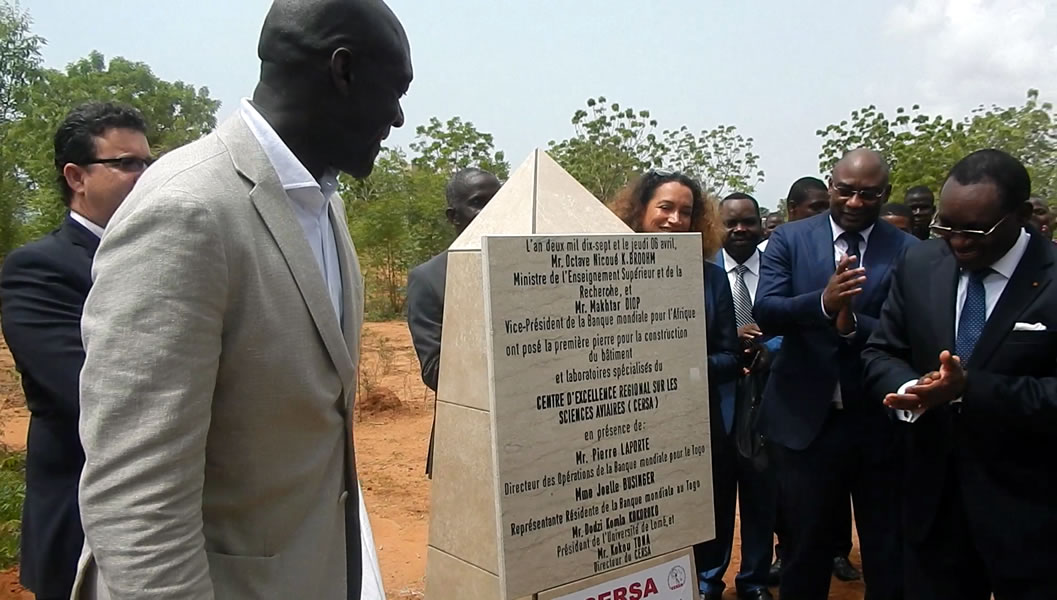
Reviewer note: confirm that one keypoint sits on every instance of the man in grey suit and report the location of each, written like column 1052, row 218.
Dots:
column 222, row 333
column 467, row 193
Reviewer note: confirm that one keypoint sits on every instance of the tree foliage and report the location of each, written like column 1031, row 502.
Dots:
column 396, row 215
column 34, row 100
column 612, row 144
column 921, row 148
column 20, row 68
column 1028, row 132
column 447, row 147
column 721, row 158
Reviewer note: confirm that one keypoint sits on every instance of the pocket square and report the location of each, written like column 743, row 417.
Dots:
column 1029, row 327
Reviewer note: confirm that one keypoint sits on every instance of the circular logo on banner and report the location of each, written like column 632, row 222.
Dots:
column 676, row 577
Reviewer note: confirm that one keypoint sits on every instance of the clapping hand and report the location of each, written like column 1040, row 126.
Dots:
column 843, row 285
column 933, row 389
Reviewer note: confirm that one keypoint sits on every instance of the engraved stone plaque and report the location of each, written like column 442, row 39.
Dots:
column 599, row 402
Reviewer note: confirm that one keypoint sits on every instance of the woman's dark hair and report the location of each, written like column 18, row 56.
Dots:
column 630, row 205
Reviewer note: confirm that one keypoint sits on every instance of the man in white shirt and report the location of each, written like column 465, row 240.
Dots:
column 222, row 334
column 100, row 151
column 739, row 471
column 966, row 352
column 822, row 283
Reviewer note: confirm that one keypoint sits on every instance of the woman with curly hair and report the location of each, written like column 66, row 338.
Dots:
column 666, row 202
column 666, row 190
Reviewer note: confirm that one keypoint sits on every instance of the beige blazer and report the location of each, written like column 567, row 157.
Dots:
column 217, row 389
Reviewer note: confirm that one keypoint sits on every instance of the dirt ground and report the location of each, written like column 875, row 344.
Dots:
column 395, row 412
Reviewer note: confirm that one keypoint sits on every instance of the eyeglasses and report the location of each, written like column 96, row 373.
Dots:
column 846, row 191
column 128, row 164
column 973, row 234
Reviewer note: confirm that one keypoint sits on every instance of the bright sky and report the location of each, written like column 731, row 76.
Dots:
column 519, row 69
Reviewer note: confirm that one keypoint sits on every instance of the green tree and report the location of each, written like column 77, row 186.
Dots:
column 20, row 67
column 611, row 145
column 396, row 215
column 446, row 147
column 176, row 113
column 1029, row 132
column 921, row 148
column 375, row 208
column 721, row 158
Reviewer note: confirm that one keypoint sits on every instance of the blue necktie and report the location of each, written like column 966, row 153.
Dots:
column 973, row 317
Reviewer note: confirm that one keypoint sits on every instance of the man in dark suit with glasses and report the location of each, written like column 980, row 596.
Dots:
column 966, row 352
column 822, row 283
column 100, row 151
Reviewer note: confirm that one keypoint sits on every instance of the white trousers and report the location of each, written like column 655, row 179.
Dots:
column 371, row 589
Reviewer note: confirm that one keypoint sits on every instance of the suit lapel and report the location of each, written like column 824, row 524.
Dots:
column 943, row 294
column 880, row 254
column 271, row 202
column 1028, row 281
column 822, row 248
column 80, row 236
column 352, row 284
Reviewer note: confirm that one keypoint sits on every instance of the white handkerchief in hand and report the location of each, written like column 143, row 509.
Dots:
column 1029, row 327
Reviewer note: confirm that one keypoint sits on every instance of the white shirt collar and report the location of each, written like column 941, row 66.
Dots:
column 292, row 174
column 84, row 222
column 753, row 262
column 837, row 230
column 1009, row 261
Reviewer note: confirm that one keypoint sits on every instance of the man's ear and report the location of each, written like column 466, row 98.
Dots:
column 75, row 177
column 453, row 217
column 341, row 71
column 1024, row 212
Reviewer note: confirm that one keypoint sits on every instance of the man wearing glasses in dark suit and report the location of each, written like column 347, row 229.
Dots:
column 100, row 151
column 966, row 353
column 822, row 283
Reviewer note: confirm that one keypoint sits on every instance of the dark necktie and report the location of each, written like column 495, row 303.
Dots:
column 850, row 373
column 742, row 300
column 973, row 316
column 854, row 240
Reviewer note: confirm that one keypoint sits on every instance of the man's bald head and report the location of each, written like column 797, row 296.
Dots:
column 858, row 186
column 864, row 160
column 332, row 76
column 305, row 33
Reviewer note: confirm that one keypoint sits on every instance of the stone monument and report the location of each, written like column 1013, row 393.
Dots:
column 572, row 457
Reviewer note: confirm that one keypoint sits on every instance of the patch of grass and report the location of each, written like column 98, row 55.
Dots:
column 12, row 494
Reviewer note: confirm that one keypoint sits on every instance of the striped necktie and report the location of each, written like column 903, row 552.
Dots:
column 742, row 300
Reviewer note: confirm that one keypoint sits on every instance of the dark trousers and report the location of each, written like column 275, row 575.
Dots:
column 735, row 479
column 853, row 454
column 842, row 533
column 947, row 565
